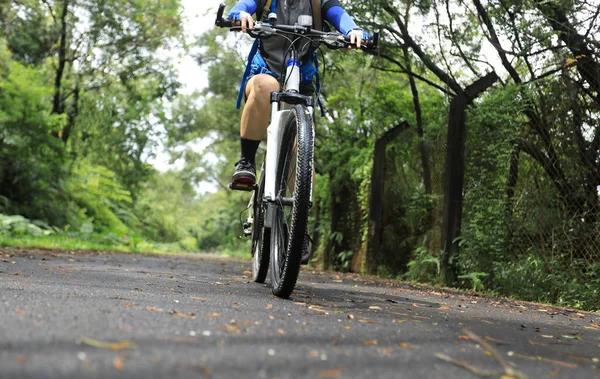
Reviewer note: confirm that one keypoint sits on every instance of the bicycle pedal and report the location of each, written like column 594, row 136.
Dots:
column 236, row 186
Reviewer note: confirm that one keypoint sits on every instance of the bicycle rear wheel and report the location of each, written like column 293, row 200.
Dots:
column 261, row 236
column 293, row 181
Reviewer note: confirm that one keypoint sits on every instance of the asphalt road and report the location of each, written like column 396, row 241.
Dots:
column 91, row 315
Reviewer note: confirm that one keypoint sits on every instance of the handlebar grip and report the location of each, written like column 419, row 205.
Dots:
column 372, row 44
column 220, row 21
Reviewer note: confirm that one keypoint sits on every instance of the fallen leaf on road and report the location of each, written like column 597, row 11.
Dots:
column 21, row 359
column 331, row 373
column 200, row 298
column 20, row 312
column 351, row 317
column 155, row 309
column 375, row 307
column 114, row 346
column 404, row 345
column 546, row 336
column 370, row 342
column 385, row 351
column 463, row 337
column 365, row 321
column 128, row 305
column 347, row 327
column 270, row 306
column 118, row 363
column 184, row 315
column 281, row 332
column 445, row 308
column 537, row 343
column 229, row 328
column 213, row 315
column 399, row 321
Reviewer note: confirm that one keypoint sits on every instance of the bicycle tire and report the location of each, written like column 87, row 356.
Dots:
column 261, row 236
column 288, row 231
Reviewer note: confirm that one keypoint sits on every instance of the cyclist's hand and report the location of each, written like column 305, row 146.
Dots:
column 244, row 20
column 357, row 38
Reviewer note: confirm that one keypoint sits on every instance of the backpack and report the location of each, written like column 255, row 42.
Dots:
column 263, row 12
column 270, row 6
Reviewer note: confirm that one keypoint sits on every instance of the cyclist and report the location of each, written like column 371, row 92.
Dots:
column 268, row 62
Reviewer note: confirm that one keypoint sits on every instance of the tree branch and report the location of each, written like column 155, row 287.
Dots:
column 443, row 76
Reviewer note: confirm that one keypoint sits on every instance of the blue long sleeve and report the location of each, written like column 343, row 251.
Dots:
column 248, row 6
column 340, row 20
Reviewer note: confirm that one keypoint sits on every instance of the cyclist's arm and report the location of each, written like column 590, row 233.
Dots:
column 247, row 6
column 337, row 16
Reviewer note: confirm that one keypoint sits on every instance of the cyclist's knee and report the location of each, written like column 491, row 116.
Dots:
column 263, row 85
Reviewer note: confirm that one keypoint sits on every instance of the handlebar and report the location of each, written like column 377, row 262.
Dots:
column 332, row 40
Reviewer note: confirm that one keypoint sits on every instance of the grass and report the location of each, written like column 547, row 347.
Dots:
column 60, row 242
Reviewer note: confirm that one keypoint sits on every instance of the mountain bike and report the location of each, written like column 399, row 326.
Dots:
column 282, row 197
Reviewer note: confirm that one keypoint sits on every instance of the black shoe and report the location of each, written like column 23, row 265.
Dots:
column 306, row 250
column 245, row 173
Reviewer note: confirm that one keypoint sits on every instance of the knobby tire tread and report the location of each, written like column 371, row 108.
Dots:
column 259, row 274
column 299, row 122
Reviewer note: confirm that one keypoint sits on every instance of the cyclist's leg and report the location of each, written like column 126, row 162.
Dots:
column 255, row 116
column 253, row 125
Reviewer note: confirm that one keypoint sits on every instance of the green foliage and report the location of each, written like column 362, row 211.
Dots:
column 475, row 278
column 15, row 226
column 424, row 267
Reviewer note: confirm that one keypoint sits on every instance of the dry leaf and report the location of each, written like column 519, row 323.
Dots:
column 445, row 308
column 214, row 315
column 370, row 342
column 281, row 332
column 114, row 346
column 404, row 345
column 270, row 306
column 351, row 317
column 375, row 307
column 385, row 351
column 20, row 312
column 331, row 373
column 21, row 359
column 347, row 327
column 118, row 363
column 365, row 321
column 154, row 309
column 229, row 328
column 128, row 305
column 200, row 298
column 463, row 337
column 536, row 343
column 184, row 315
column 399, row 321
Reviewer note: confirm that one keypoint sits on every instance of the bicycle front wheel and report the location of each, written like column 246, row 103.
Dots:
column 261, row 236
column 293, row 191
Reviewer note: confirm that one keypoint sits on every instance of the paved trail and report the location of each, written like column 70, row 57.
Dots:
column 140, row 316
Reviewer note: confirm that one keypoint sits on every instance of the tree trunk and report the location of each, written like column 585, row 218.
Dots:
column 376, row 198
column 57, row 106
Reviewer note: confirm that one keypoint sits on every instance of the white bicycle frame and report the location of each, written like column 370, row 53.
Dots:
column 279, row 112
